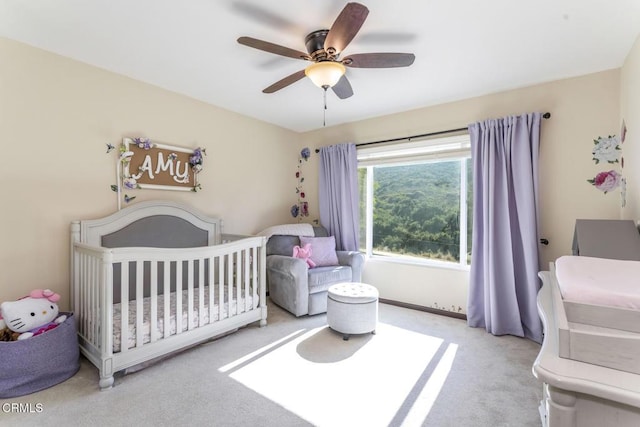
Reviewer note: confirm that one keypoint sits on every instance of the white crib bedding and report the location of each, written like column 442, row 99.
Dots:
column 599, row 281
column 252, row 301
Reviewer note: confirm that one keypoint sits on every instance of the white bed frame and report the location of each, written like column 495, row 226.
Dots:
column 236, row 262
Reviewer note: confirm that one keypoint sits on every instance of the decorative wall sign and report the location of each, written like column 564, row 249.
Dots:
column 142, row 163
column 160, row 166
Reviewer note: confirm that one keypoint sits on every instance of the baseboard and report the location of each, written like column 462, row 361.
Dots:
column 423, row 308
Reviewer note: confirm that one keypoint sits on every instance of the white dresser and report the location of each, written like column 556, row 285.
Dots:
column 576, row 393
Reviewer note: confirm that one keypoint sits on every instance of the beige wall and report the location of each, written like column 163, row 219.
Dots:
column 582, row 109
column 630, row 112
column 56, row 116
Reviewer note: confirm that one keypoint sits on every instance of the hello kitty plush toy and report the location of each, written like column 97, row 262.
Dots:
column 32, row 315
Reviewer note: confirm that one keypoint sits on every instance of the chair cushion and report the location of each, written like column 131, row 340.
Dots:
column 282, row 245
column 322, row 277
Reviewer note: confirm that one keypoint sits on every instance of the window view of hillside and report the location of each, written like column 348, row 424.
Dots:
column 416, row 209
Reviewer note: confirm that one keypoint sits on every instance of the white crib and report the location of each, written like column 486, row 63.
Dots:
column 157, row 277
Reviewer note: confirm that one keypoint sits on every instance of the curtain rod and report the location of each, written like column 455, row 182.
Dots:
column 442, row 132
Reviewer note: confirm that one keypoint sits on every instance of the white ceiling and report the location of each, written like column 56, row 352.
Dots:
column 463, row 48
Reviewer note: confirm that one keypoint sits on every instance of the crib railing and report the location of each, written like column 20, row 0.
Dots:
column 236, row 267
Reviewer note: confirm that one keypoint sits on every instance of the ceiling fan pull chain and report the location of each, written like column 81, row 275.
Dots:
column 324, row 115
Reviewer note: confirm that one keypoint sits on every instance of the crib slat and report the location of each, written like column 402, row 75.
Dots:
column 84, row 283
column 221, row 267
column 139, row 303
column 254, row 276
column 90, row 282
column 212, row 286
column 154, row 301
column 104, row 302
column 124, row 306
column 230, row 283
column 246, row 264
column 238, row 281
column 190, row 321
column 166, row 297
column 178, row 311
column 94, row 298
column 201, row 284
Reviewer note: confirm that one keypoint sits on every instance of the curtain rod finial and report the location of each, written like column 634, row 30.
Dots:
column 546, row 115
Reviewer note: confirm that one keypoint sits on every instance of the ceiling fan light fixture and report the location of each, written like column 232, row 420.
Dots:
column 325, row 73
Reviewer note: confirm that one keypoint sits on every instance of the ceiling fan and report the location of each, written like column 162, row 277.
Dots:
column 324, row 48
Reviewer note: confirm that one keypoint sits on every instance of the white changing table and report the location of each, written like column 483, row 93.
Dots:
column 579, row 394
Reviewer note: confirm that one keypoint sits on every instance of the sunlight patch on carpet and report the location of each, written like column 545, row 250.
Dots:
column 331, row 382
column 256, row 353
column 427, row 396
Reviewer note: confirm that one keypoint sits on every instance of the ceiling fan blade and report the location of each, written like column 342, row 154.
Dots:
column 273, row 48
column 265, row 16
column 379, row 60
column 345, row 27
column 280, row 84
column 343, row 88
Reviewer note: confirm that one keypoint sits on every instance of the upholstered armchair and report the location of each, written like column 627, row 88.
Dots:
column 294, row 284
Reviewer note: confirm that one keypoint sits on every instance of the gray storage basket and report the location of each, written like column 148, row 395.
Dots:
column 39, row 362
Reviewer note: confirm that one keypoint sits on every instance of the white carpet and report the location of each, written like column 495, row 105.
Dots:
column 331, row 382
column 419, row 369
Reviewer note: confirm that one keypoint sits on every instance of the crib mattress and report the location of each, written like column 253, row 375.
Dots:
column 237, row 306
column 599, row 281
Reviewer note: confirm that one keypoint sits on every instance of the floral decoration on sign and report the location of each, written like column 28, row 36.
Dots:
column 301, row 209
column 144, row 143
column 128, row 181
column 196, row 159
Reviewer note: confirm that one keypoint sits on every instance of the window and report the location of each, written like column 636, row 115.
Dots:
column 415, row 201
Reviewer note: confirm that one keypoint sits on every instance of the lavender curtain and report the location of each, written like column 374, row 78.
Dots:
column 338, row 194
column 504, row 283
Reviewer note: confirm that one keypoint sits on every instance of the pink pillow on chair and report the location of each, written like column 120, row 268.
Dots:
column 323, row 250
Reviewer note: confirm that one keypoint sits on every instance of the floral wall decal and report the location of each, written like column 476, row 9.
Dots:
column 301, row 209
column 608, row 150
column 606, row 181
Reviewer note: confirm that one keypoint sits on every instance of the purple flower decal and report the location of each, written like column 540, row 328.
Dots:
column 606, row 181
column 305, row 153
column 295, row 210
